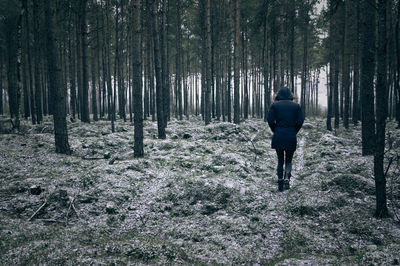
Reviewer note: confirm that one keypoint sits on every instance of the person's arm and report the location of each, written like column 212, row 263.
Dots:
column 271, row 118
column 300, row 119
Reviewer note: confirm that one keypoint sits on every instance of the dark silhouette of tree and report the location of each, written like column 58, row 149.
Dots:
column 367, row 76
column 58, row 91
column 137, row 82
column 381, row 113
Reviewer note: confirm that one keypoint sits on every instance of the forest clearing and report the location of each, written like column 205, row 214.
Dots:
column 206, row 194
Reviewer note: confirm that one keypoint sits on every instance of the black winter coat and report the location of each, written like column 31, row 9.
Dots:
column 285, row 119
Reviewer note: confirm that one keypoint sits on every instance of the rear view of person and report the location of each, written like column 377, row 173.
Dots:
column 285, row 118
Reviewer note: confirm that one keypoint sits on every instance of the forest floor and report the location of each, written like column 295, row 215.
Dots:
column 205, row 195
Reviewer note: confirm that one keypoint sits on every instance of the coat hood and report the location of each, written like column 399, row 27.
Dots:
column 284, row 94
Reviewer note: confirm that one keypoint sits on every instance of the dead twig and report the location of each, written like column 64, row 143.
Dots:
column 71, row 206
column 252, row 142
column 38, row 210
column 143, row 219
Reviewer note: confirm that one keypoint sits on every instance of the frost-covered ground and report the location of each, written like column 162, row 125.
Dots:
column 207, row 194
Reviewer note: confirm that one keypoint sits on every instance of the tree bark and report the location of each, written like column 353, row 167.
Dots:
column 381, row 114
column 367, row 77
column 85, row 81
column 398, row 65
column 58, row 91
column 208, row 65
column 356, row 65
column 137, row 80
column 157, row 64
column 346, row 63
column 36, row 37
column 236, row 105
column 178, row 58
column 267, row 92
column 164, row 63
column 1, row 83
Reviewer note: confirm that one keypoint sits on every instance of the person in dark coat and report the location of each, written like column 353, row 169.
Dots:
column 285, row 118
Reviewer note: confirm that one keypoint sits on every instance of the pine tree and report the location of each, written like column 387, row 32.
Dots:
column 367, row 76
column 58, row 91
column 137, row 78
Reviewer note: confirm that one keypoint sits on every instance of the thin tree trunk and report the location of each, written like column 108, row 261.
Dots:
column 137, row 80
column 356, row 65
column 164, row 63
column 157, row 64
column 267, row 93
column 346, row 63
column 85, row 80
column 304, row 69
column 236, row 105
column 38, row 88
column 229, row 63
column 381, row 114
column 208, row 65
column 94, row 81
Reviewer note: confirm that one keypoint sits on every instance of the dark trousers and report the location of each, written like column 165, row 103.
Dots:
column 284, row 156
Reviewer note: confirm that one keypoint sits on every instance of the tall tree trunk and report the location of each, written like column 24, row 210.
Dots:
column 85, row 80
column 331, row 62
column 346, row 62
column 157, row 64
column 36, row 37
column 137, row 80
column 111, row 107
column 381, row 114
column 71, row 69
column 267, row 92
column 208, row 65
column 78, row 66
column 398, row 64
column 356, row 64
column 58, row 91
column 94, row 81
column 367, row 77
column 304, row 68
column 336, row 46
column 292, row 17
column 119, row 60
column 1, row 83
column 179, row 74
column 164, row 63
column 280, row 76
column 26, row 65
column 236, row 104
column 99, row 77
column 229, row 63
column 12, row 59
column 245, row 79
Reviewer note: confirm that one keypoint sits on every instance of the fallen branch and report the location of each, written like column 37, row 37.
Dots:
column 92, row 158
column 49, row 220
column 38, row 210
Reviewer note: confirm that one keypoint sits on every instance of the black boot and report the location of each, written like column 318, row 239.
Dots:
column 286, row 181
column 280, row 184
